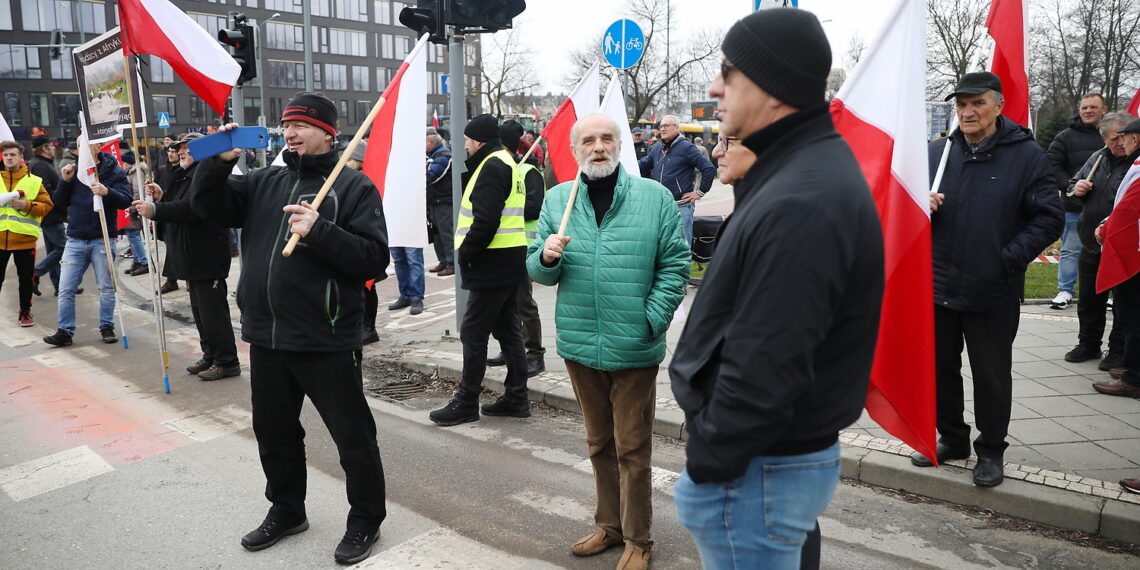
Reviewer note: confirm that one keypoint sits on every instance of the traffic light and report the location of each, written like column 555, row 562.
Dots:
column 490, row 15
column 426, row 18
column 240, row 38
column 56, row 44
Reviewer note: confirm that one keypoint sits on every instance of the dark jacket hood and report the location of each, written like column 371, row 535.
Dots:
column 1077, row 124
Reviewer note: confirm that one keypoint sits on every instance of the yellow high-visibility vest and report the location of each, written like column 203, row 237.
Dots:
column 530, row 225
column 511, row 232
column 13, row 220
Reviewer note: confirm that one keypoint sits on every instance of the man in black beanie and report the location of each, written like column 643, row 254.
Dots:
column 766, row 387
column 302, row 314
column 490, row 249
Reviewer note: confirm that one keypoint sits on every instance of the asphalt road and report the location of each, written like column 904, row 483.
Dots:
column 100, row 469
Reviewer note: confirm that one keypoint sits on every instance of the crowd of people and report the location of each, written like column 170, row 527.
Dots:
column 765, row 387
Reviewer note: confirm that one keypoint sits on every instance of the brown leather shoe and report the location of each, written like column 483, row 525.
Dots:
column 634, row 558
column 1131, row 485
column 437, row 268
column 445, row 272
column 594, row 543
column 1116, row 387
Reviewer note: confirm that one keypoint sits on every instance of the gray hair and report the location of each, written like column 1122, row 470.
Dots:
column 614, row 129
column 1114, row 120
column 433, row 135
column 675, row 118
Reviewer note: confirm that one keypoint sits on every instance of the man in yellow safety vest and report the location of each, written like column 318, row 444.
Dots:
column 23, row 204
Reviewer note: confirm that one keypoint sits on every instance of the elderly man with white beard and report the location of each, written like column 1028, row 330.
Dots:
column 620, row 269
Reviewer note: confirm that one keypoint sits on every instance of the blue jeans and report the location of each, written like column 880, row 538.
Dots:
column 409, row 271
column 1070, row 253
column 687, row 222
column 761, row 519
column 55, row 237
column 138, row 250
column 78, row 254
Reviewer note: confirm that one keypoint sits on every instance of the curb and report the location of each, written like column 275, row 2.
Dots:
column 1052, row 498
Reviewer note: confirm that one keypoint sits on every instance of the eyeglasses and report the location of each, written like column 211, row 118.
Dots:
column 726, row 68
column 663, row 125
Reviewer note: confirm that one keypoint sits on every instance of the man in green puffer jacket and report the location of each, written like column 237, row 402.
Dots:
column 621, row 268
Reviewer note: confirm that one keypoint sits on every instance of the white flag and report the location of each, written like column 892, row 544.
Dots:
column 613, row 105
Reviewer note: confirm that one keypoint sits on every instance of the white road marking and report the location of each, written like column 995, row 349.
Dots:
column 212, row 424
column 443, row 549
column 565, row 507
column 52, row 472
column 17, row 337
column 895, row 541
column 89, row 352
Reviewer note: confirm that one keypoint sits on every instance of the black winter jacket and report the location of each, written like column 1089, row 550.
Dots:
column 313, row 300
column 1098, row 203
column 46, row 170
column 1069, row 150
column 82, row 221
column 1001, row 210
column 439, row 175
column 776, row 354
column 197, row 249
column 483, row 268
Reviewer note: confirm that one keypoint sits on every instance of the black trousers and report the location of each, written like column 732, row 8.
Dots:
column 210, row 306
column 989, row 343
column 492, row 312
column 25, row 261
column 1091, row 307
column 279, row 381
column 1127, row 310
column 443, row 232
column 531, row 324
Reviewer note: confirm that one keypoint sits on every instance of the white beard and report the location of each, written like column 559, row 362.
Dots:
column 594, row 171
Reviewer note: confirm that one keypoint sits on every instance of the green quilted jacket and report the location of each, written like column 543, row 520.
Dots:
column 618, row 284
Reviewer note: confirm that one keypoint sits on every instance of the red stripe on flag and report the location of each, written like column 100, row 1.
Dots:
column 1134, row 105
column 1120, row 253
column 557, row 135
column 1006, row 24
column 380, row 141
column 141, row 34
column 901, row 395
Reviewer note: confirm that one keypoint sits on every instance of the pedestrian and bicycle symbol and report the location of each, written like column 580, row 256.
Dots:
column 623, row 44
column 164, row 120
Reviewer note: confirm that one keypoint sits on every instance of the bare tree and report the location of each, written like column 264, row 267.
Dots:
column 691, row 63
column 955, row 30
column 508, row 70
column 856, row 45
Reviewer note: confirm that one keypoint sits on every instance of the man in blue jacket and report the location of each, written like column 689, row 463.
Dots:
column 672, row 162
column 996, row 210
column 85, row 243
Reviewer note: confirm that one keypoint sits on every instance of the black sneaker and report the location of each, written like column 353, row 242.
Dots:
column 454, row 413
column 199, row 366
column 355, row 546
column 401, row 303
column 417, row 307
column 505, row 407
column 142, row 269
column 60, row 338
column 499, row 360
column 534, row 367
column 270, row 532
column 134, row 265
column 108, row 334
column 1081, row 353
column 1111, row 360
column 217, row 372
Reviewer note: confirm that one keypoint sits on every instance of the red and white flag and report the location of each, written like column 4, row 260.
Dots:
column 399, row 170
column 885, row 129
column 159, row 28
column 534, row 111
column 613, row 105
column 1006, row 24
column 1134, row 105
column 582, row 101
column 434, row 120
column 1120, row 253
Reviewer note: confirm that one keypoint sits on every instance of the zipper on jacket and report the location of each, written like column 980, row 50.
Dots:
column 269, row 271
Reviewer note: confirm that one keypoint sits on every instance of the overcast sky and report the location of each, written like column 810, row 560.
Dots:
column 555, row 27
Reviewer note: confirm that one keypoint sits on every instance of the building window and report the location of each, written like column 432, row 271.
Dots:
column 287, row 74
column 5, row 14
column 164, row 104
column 362, row 110
column 211, row 22
column 341, row 42
column 64, row 67
column 344, row 109
column 402, row 46
column 66, row 108
column 39, row 106
column 359, row 78
column 284, row 36
column 335, row 77
column 12, row 108
column 382, row 12
column 160, row 71
column 48, row 15
column 200, row 112
column 386, row 46
column 19, row 62
column 252, row 109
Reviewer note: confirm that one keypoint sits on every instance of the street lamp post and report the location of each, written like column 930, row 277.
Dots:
column 261, row 29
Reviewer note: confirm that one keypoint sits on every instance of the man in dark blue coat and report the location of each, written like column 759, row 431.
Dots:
column 996, row 209
column 673, row 162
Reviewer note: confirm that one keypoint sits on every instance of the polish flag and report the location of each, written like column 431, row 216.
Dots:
column 534, row 111
column 613, row 105
column 398, row 170
column 434, row 120
column 158, row 28
column 582, row 101
column 1120, row 253
column 1134, row 105
column 1006, row 24
column 881, row 112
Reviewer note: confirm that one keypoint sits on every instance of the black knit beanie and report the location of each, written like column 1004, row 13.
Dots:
column 783, row 51
column 314, row 108
column 510, row 133
column 482, row 128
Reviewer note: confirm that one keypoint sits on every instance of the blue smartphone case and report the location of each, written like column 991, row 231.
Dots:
column 219, row 142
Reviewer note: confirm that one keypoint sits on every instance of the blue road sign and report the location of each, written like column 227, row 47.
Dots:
column 164, row 120
column 623, row 44
column 765, row 4
column 443, row 83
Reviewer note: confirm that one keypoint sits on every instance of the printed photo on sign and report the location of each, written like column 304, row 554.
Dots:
column 102, row 77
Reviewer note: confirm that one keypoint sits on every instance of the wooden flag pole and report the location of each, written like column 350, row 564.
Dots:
column 531, row 149
column 107, row 248
column 570, row 203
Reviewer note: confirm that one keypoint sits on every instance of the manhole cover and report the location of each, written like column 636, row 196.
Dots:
column 401, row 390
